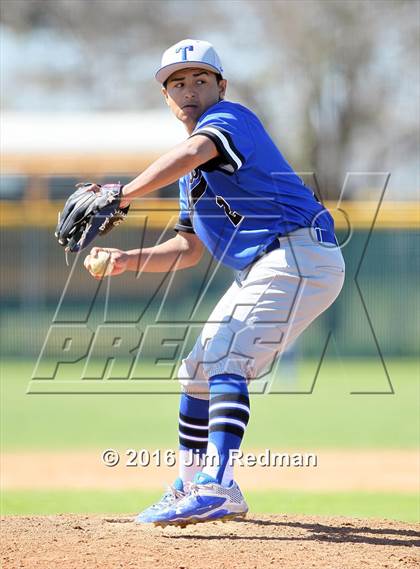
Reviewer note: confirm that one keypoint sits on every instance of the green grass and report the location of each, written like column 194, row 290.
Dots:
column 330, row 417
column 403, row 507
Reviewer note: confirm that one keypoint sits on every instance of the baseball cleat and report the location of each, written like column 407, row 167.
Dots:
column 174, row 494
column 207, row 501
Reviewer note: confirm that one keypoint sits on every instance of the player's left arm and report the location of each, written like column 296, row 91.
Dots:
column 170, row 167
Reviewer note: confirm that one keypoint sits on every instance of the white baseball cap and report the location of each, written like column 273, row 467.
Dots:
column 188, row 53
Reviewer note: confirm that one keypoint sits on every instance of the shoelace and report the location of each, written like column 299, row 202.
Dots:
column 194, row 488
column 170, row 493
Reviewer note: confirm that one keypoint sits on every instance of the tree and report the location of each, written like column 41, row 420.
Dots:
column 336, row 83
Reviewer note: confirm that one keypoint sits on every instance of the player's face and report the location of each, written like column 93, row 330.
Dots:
column 190, row 92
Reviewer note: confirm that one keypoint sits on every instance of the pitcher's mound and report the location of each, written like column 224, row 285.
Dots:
column 260, row 542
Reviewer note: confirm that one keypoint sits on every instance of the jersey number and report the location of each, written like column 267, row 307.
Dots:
column 234, row 217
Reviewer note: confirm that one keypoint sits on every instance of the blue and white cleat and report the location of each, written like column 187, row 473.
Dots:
column 174, row 494
column 207, row 501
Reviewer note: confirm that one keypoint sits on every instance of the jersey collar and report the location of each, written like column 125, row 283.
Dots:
column 208, row 111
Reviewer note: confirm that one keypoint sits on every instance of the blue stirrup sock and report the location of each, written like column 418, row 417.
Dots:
column 228, row 418
column 193, row 435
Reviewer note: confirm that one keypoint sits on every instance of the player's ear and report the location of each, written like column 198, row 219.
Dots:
column 165, row 94
column 222, row 88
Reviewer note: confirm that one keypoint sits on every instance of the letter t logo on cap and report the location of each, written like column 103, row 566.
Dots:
column 184, row 50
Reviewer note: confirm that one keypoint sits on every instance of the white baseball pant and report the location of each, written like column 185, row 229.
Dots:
column 267, row 307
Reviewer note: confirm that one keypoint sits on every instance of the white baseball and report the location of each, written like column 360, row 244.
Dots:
column 99, row 265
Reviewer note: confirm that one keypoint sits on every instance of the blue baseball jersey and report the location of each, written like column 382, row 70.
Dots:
column 240, row 201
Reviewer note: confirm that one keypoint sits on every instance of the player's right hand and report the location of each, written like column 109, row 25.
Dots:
column 117, row 263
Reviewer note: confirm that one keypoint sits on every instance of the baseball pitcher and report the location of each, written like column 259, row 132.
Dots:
column 241, row 200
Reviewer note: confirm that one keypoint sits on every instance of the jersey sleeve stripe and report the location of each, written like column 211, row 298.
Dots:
column 224, row 144
column 184, row 225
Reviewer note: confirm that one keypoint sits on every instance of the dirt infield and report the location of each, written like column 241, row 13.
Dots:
column 260, row 542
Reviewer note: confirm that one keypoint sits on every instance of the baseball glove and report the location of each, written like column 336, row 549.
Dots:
column 90, row 211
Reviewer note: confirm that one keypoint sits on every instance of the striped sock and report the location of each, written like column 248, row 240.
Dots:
column 193, row 435
column 228, row 418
